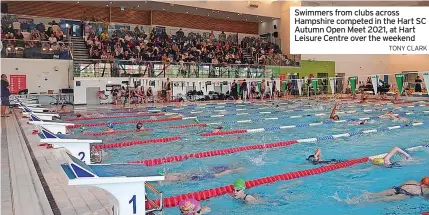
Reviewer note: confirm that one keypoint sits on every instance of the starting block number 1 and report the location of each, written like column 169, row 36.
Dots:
column 133, row 201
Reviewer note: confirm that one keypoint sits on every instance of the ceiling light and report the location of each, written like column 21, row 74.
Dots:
column 261, row 21
column 163, row 8
column 78, row 2
column 107, row 5
column 228, row 17
column 111, row 2
column 187, row 12
column 246, row 19
column 196, row 8
column 273, row 18
column 208, row 14
column 218, row 11
column 138, row 5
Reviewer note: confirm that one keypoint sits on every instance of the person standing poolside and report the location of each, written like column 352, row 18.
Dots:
column 238, row 193
column 167, row 87
column 418, row 87
column 244, row 91
column 263, row 89
column 192, row 207
column 5, row 93
column 385, row 161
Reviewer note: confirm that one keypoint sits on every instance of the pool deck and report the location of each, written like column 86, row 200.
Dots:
column 33, row 181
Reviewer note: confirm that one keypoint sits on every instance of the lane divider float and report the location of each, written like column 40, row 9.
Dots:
column 173, row 201
column 225, row 151
column 136, row 142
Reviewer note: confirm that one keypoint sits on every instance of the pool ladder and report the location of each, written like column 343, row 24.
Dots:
column 151, row 202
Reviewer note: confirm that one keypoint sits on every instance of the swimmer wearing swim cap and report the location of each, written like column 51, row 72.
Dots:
column 406, row 190
column 316, row 159
column 385, row 161
column 110, row 126
column 83, row 129
column 238, row 193
column 217, row 129
column 192, row 207
column 196, row 120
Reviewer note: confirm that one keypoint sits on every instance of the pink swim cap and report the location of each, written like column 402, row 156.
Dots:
column 189, row 206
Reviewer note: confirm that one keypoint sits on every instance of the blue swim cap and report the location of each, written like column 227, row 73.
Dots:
column 110, row 125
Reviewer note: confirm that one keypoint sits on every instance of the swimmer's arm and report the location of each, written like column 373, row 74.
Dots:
column 333, row 111
column 229, row 171
column 317, row 154
column 251, row 199
column 392, row 152
column 389, row 198
column 205, row 210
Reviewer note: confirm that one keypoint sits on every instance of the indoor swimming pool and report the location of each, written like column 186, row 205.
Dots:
column 258, row 140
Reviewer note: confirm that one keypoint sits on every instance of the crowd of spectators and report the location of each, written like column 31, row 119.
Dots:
column 138, row 46
column 17, row 35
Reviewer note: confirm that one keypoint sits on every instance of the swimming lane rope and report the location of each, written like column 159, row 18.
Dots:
column 220, row 152
column 173, row 201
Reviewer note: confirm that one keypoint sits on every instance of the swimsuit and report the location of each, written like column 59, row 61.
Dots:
column 400, row 190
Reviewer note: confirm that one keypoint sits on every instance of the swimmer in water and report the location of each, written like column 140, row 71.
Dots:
column 216, row 172
column 333, row 115
column 192, row 207
column 394, row 117
column 139, row 126
column 83, row 130
column 239, row 187
column 385, row 161
column 405, row 190
column 359, row 122
column 316, row 159
column 110, row 127
column 217, row 129
column 363, row 98
column 79, row 115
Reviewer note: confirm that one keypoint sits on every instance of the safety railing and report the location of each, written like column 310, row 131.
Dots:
column 154, row 206
column 157, row 69
column 13, row 48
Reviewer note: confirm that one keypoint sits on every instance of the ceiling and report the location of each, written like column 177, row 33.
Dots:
column 161, row 6
column 365, row 3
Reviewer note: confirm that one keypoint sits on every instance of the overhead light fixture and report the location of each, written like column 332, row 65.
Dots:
column 138, row 5
column 163, row 8
column 208, row 14
column 187, row 12
column 228, row 17
column 261, row 21
column 107, row 5
column 272, row 18
column 78, row 2
column 246, row 19
column 172, row 5
column 196, row 8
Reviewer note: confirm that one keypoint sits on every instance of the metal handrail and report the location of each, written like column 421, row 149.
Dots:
column 151, row 202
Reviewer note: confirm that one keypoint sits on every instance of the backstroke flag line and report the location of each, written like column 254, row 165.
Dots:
column 314, row 83
column 299, row 82
column 353, row 84
column 400, row 82
column 426, row 78
column 374, row 80
column 332, row 83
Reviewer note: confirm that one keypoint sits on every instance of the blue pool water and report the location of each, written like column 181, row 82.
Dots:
column 333, row 192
